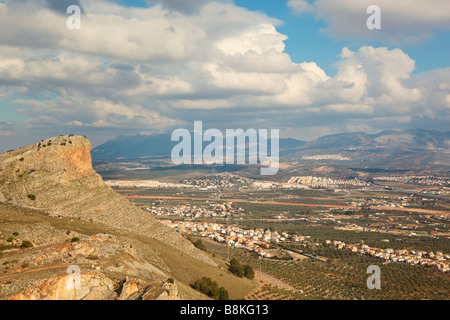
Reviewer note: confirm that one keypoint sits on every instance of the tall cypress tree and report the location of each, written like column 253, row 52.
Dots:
column 236, row 268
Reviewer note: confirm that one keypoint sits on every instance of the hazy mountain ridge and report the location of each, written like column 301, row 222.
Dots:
column 413, row 138
column 422, row 147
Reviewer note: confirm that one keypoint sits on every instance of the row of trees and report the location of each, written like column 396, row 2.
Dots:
column 241, row 270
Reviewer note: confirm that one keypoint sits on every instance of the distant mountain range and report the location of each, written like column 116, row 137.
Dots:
column 388, row 148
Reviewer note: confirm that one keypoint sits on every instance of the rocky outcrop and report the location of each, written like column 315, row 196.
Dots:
column 93, row 286
column 96, row 286
column 130, row 288
column 170, row 292
column 56, row 176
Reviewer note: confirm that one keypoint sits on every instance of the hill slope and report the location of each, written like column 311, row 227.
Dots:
column 49, row 193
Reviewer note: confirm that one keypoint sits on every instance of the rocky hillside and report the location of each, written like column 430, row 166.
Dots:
column 56, row 175
column 55, row 211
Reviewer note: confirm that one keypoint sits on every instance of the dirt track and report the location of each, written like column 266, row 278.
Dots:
column 21, row 272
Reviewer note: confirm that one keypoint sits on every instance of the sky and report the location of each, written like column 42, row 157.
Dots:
column 307, row 67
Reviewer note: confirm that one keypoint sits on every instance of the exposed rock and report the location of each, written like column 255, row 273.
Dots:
column 161, row 291
column 170, row 292
column 129, row 288
column 94, row 286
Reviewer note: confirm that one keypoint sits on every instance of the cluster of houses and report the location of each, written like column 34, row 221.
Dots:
column 392, row 202
column 438, row 260
column 326, row 157
column 145, row 184
column 217, row 181
column 252, row 239
column 310, row 182
column 192, row 212
column 322, row 182
column 258, row 240
column 427, row 180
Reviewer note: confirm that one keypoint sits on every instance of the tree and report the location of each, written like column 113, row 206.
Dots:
column 248, row 271
column 236, row 268
column 223, row 294
column 199, row 244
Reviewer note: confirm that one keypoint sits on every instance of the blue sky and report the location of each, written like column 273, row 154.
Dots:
column 307, row 67
column 307, row 43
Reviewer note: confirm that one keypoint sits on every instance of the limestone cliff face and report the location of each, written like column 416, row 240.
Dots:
column 69, row 154
column 34, row 169
column 56, row 176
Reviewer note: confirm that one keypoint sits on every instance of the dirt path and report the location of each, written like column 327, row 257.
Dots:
column 32, row 270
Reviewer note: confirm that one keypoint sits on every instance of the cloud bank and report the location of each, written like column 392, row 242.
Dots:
column 402, row 21
column 162, row 67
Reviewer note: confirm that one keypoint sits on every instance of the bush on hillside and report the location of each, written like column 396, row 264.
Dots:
column 210, row 288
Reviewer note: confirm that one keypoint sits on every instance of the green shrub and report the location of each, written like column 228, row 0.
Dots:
column 199, row 244
column 75, row 239
column 223, row 294
column 248, row 271
column 15, row 233
column 31, row 197
column 236, row 268
column 4, row 247
column 26, row 244
column 210, row 288
column 170, row 280
column 21, row 159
